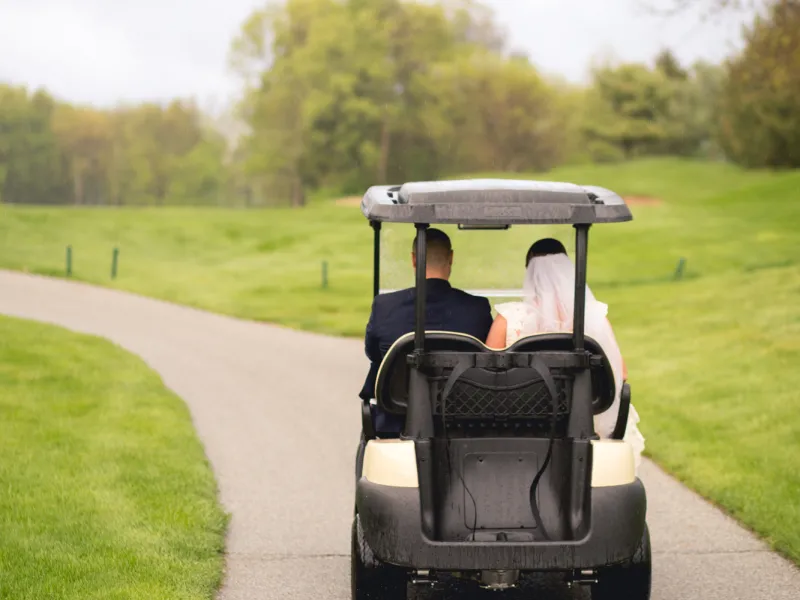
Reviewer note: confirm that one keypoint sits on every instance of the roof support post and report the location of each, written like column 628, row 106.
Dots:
column 581, row 264
column 421, row 252
column 376, row 257
column 419, row 414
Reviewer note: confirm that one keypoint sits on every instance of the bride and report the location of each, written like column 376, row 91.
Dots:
column 549, row 291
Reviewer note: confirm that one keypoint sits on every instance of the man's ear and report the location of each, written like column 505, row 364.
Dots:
column 413, row 260
column 451, row 258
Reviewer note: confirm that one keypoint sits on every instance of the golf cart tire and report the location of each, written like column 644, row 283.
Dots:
column 371, row 579
column 630, row 580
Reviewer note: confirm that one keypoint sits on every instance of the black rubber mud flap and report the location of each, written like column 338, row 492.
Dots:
column 371, row 579
column 629, row 581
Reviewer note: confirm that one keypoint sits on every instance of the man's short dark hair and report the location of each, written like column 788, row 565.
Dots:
column 544, row 247
column 434, row 237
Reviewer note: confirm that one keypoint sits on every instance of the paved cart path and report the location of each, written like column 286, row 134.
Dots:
column 278, row 415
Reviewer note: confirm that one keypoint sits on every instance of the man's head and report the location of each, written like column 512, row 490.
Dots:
column 439, row 254
column 544, row 247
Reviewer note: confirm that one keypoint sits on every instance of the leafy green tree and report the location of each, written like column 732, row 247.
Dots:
column 53, row 152
column 275, row 53
column 352, row 92
column 692, row 96
column 629, row 110
column 670, row 66
column 198, row 177
column 340, row 99
column 152, row 146
column 633, row 110
column 698, row 111
column 501, row 116
column 31, row 162
column 85, row 138
column 760, row 112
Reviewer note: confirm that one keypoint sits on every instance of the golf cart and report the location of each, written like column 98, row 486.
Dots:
column 498, row 474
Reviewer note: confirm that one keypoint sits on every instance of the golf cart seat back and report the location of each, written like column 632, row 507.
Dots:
column 477, row 389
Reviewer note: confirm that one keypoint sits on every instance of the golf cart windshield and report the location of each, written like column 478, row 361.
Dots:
column 486, row 263
column 489, row 262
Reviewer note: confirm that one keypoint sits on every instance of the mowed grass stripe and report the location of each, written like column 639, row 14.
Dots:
column 105, row 491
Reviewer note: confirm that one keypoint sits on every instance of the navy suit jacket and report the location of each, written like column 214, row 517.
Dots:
column 446, row 308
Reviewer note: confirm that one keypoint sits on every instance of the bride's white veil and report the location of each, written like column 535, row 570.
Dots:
column 549, row 293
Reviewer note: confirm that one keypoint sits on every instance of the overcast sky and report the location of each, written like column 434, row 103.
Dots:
column 106, row 51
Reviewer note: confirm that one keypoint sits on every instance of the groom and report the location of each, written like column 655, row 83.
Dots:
column 446, row 308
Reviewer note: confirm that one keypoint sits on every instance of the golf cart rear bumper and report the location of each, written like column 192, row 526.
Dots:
column 390, row 517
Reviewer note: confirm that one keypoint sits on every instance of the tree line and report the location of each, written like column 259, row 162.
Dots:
column 52, row 152
column 343, row 94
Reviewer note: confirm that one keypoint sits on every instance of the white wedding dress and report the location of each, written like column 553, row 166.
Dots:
column 549, row 290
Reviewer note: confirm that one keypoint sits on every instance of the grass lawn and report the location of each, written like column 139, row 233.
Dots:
column 266, row 264
column 713, row 365
column 712, row 358
column 105, row 490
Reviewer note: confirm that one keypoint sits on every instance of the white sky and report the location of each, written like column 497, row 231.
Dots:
column 106, row 51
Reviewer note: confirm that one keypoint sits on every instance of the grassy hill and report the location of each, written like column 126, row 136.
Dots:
column 712, row 358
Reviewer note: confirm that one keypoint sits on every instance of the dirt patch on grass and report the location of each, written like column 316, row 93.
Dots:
column 349, row 201
column 642, row 201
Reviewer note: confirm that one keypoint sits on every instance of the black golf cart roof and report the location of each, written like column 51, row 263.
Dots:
column 493, row 202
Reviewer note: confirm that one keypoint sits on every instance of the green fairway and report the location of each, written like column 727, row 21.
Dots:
column 267, row 264
column 713, row 371
column 106, row 492
column 712, row 358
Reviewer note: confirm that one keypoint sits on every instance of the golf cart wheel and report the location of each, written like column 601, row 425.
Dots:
column 630, row 580
column 371, row 579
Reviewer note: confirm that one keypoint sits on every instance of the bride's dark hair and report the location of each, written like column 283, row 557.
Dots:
column 544, row 247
